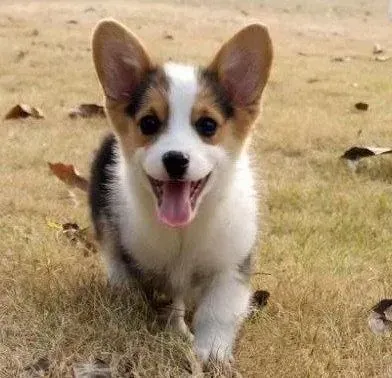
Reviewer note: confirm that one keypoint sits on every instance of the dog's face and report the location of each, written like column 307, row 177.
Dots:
column 179, row 126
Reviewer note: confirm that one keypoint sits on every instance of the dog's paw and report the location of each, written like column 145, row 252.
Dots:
column 174, row 321
column 181, row 327
column 222, row 365
column 380, row 318
column 213, row 355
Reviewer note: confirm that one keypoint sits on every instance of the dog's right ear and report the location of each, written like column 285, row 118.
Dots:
column 120, row 60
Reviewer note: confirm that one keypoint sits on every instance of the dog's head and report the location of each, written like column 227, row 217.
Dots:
column 181, row 125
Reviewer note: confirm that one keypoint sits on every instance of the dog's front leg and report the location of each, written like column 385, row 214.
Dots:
column 218, row 316
column 176, row 320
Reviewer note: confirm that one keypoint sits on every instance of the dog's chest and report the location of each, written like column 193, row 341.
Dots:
column 187, row 260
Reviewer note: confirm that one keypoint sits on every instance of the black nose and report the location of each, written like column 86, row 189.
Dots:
column 176, row 164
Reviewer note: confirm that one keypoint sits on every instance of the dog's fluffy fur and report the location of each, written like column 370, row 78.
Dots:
column 194, row 250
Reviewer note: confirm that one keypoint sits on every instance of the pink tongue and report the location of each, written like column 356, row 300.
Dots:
column 175, row 209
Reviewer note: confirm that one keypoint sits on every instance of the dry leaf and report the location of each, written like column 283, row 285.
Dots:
column 260, row 298
column 69, row 175
column 377, row 49
column 95, row 369
column 380, row 318
column 24, row 111
column 87, row 111
column 356, row 153
column 382, row 58
column 72, row 22
column 20, row 56
column 82, row 238
column 341, row 59
column 362, row 106
column 258, row 301
column 168, row 36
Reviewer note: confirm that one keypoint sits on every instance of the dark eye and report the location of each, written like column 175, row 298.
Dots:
column 149, row 124
column 206, row 126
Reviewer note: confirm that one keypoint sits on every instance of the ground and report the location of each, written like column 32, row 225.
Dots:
column 325, row 255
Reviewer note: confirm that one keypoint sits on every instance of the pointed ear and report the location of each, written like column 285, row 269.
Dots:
column 120, row 60
column 243, row 64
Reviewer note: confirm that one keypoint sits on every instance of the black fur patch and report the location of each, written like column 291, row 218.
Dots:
column 221, row 97
column 106, row 223
column 101, row 177
column 138, row 96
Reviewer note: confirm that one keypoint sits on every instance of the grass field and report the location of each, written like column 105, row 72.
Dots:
column 326, row 252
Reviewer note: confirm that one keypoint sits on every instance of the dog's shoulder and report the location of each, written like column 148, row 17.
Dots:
column 102, row 175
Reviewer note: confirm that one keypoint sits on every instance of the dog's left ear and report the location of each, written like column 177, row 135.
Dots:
column 120, row 59
column 243, row 65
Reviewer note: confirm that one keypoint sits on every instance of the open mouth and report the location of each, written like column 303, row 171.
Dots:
column 177, row 199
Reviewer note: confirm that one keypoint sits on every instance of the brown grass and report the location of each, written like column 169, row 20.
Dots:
column 327, row 245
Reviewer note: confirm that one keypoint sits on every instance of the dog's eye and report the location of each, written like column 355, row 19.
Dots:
column 206, row 126
column 149, row 124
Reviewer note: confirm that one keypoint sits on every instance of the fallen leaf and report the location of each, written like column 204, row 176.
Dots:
column 313, row 80
column 382, row 58
column 380, row 318
column 341, row 59
column 69, row 175
column 72, row 22
column 24, row 111
column 20, row 56
column 168, row 36
column 362, row 106
column 87, row 111
column 377, row 49
column 244, row 12
column 258, row 301
column 260, row 298
column 356, row 153
column 98, row 368
column 82, row 238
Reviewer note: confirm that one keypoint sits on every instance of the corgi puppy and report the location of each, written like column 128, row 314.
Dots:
column 172, row 195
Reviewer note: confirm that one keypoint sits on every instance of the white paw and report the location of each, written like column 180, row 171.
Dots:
column 177, row 323
column 214, row 352
column 181, row 327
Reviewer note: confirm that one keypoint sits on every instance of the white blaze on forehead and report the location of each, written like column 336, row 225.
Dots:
column 180, row 135
column 183, row 88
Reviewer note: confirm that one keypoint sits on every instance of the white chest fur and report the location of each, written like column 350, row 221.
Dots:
column 219, row 238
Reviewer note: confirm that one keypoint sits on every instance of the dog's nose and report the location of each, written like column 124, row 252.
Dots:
column 176, row 163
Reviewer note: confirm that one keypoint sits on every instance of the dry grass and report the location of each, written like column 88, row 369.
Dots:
column 327, row 246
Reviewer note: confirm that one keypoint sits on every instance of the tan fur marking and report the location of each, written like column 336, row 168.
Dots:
column 242, row 66
column 239, row 126
column 205, row 106
column 155, row 102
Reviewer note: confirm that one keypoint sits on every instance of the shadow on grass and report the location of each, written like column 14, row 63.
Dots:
column 79, row 321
